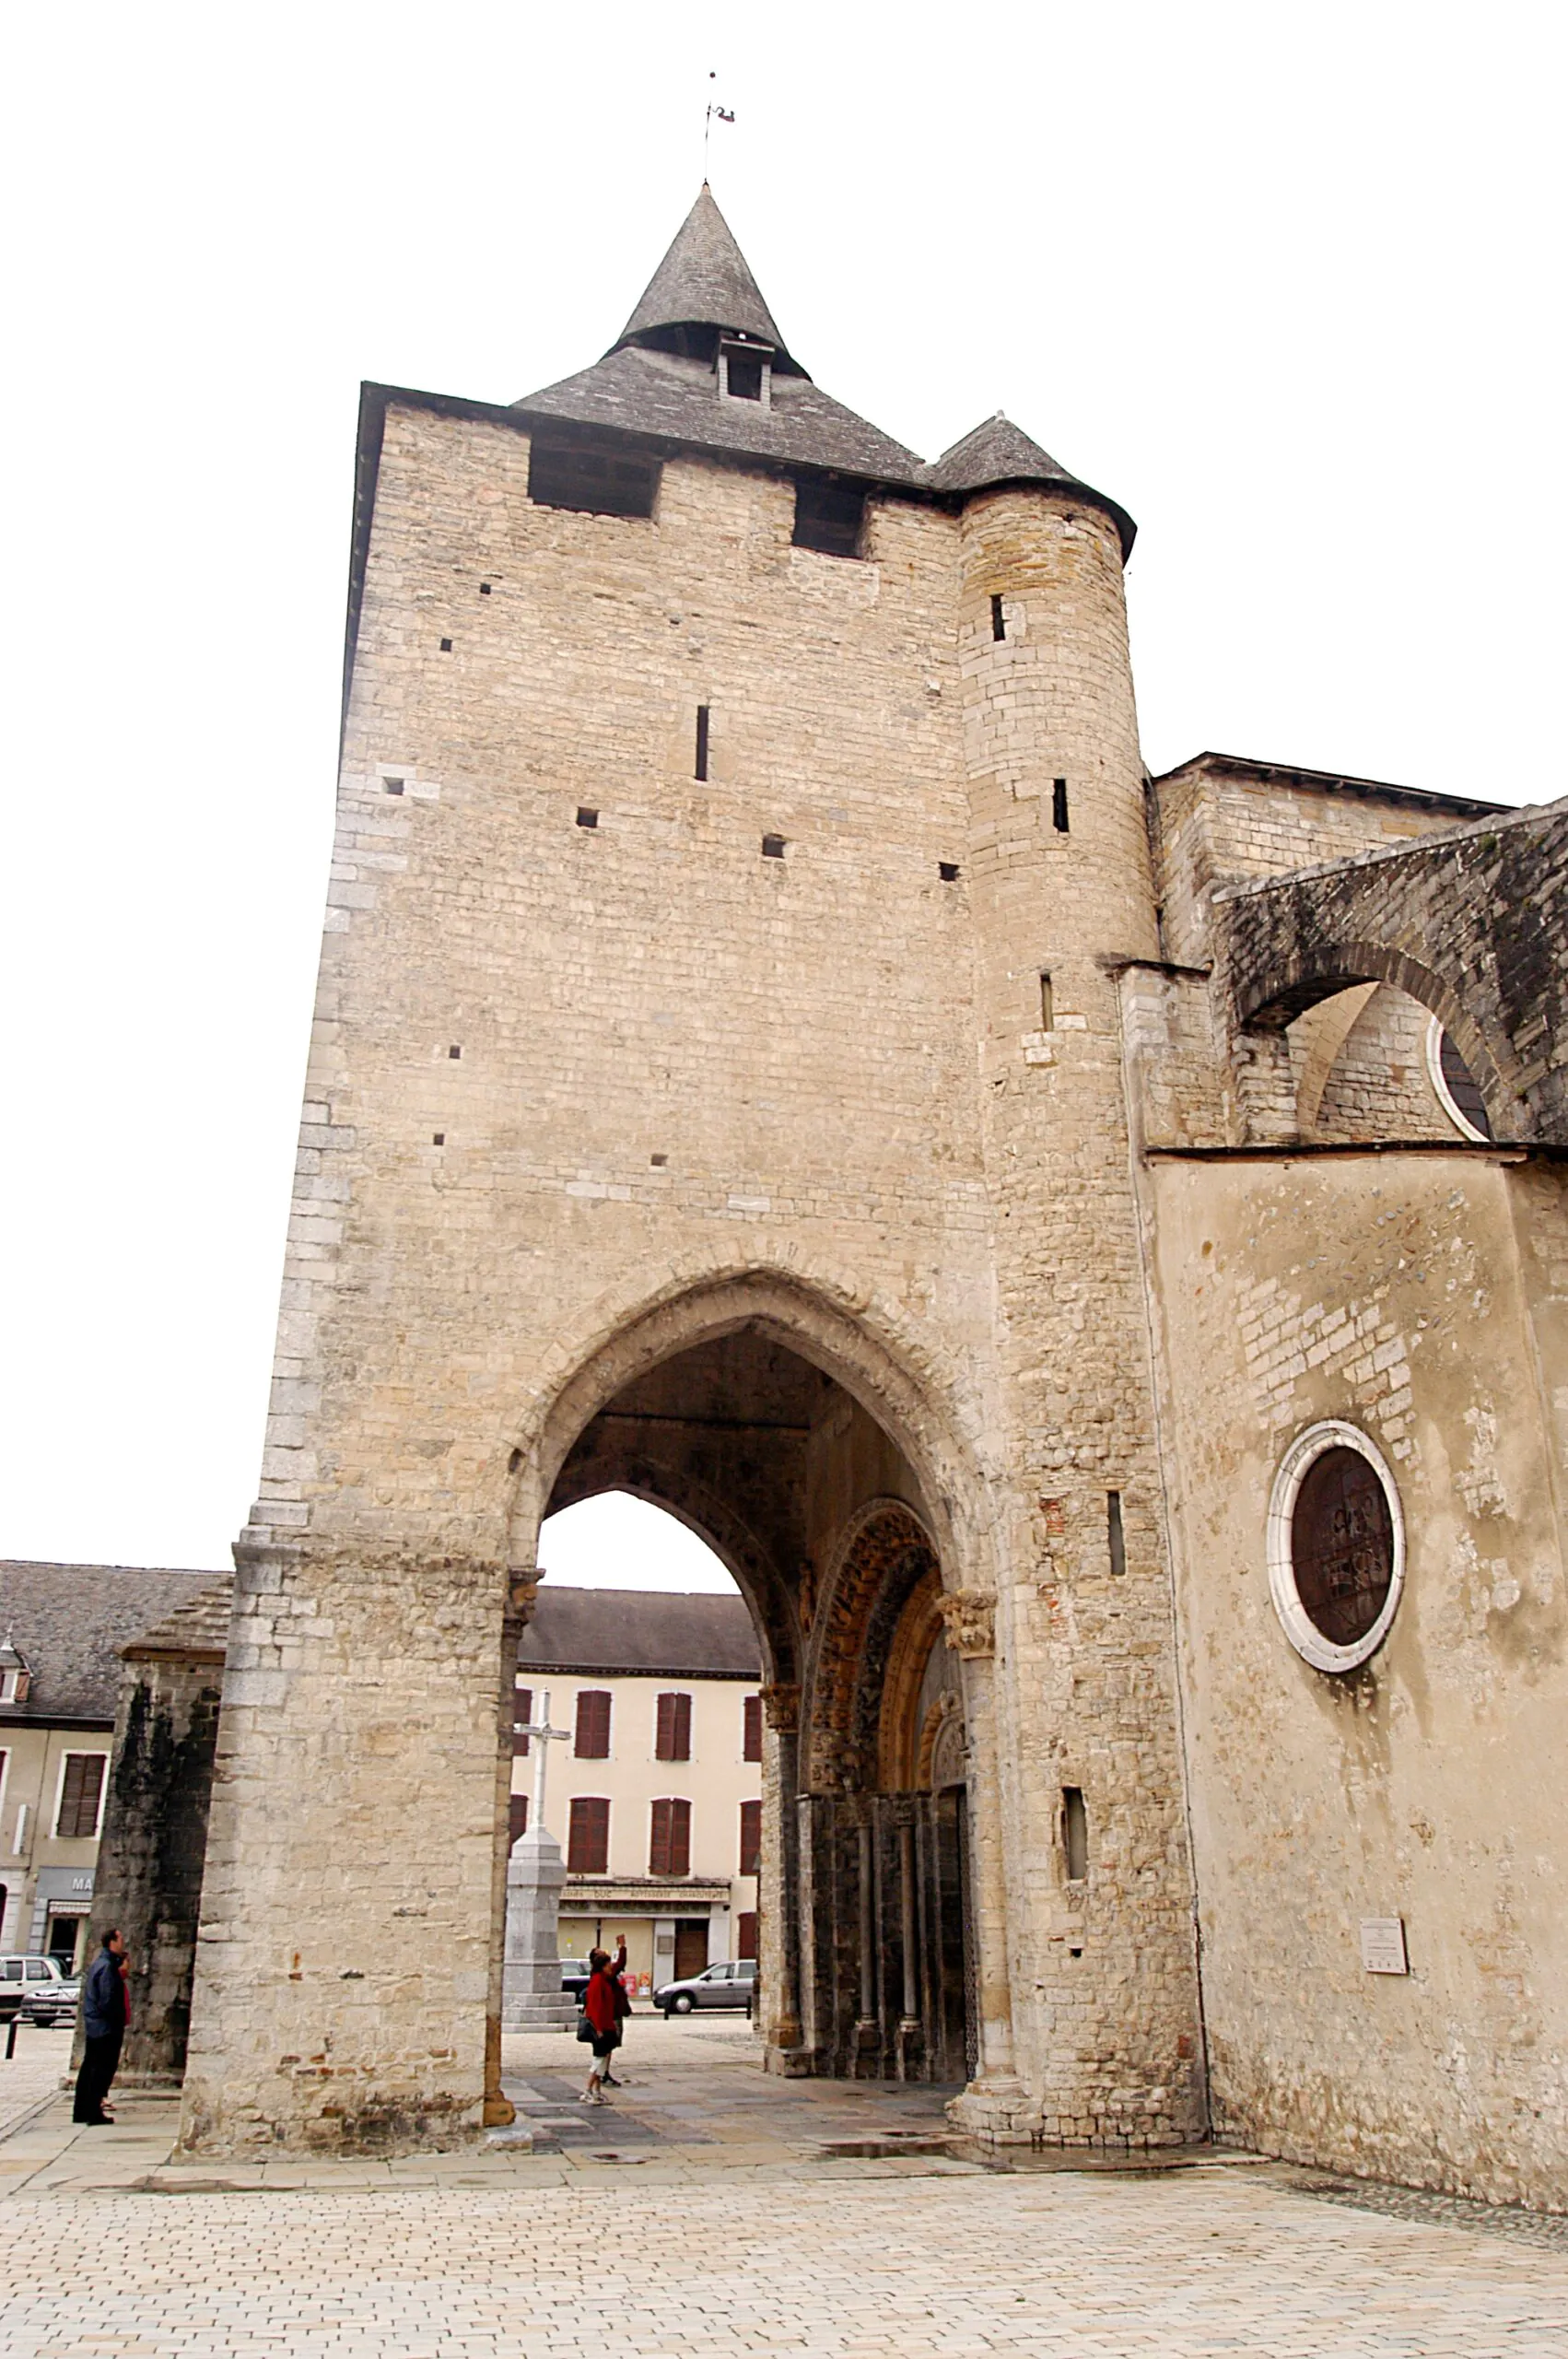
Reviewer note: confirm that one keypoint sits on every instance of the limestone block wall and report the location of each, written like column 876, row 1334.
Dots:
column 584, row 1049
column 1421, row 1299
column 1361, row 1069
column 1217, row 819
column 677, row 1058
column 1101, row 1967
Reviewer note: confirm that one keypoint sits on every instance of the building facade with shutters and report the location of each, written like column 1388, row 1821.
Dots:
column 654, row 1791
column 64, row 1626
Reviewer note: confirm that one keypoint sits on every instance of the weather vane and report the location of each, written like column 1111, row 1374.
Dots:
column 715, row 114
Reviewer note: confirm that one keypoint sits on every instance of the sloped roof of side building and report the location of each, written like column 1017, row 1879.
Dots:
column 71, row 1622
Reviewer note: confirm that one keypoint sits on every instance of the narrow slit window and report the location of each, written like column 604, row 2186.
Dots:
column 702, row 713
column 1074, row 1833
column 446, row 646
column 586, row 818
column 1116, row 1537
column 948, row 871
column 1047, row 1004
column 773, row 847
column 1059, row 806
column 999, row 620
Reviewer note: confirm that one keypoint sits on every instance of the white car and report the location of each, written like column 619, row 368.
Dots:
column 49, row 1995
column 732, row 1985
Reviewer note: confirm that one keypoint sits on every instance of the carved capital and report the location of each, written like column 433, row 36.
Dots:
column 782, row 1707
column 970, row 1616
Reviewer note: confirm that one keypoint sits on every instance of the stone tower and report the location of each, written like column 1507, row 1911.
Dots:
column 716, row 1093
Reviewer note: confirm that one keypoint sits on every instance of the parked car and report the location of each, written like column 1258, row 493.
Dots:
column 574, row 1978
column 49, row 1995
column 732, row 1985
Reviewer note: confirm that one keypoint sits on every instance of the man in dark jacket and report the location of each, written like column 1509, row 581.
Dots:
column 103, row 2028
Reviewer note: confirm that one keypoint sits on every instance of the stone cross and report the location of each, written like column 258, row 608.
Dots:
column 543, row 1733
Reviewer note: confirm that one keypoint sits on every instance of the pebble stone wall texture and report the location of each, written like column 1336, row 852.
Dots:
column 677, row 1060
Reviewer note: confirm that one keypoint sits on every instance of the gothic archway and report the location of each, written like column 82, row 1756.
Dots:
column 748, row 1431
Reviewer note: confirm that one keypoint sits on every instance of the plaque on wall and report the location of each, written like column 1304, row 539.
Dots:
column 1382, row 1945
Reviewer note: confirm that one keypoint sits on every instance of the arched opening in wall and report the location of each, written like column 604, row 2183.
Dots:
column 642, row 1651
column 1373, row 1062
column 858, row 1849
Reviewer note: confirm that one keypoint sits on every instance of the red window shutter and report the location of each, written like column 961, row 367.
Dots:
column 672, row 1739
column 79, row 1794
column 670, row 1838
column 593, row 1724
column 751, row 1749
column 751, row 1838
column 588, row 1836
column 516, row 1817
column 745, row 1933
column 523, row 1713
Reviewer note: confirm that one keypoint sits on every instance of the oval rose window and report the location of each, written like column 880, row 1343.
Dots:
column 1336, row 1547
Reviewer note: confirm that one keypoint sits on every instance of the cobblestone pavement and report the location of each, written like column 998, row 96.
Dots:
column 729, row 2226
column 33, row 2074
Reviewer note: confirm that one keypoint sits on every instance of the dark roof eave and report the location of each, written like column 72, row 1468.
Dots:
column 1332, row 782
column 55, row 1721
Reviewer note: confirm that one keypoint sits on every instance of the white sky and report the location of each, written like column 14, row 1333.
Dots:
column 1286, row 281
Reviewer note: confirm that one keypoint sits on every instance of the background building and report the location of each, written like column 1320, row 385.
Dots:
column 63, row 1628
column 656, row 1796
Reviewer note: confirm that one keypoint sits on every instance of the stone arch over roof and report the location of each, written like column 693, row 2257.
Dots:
column 1473, row 923
column 1316, row 971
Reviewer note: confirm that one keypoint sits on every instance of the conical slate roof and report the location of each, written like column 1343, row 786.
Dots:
column 705, row 281
column 998, row 452
column 659, row 379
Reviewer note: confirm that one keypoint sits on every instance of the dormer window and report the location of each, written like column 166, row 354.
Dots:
column 745, row 370
column 16, row 1677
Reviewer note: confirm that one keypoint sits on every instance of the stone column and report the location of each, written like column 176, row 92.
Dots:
column 779, row 1966
column 531, row 1997
column 996, row 2098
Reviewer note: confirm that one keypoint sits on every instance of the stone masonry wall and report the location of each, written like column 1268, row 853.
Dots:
column 153, row 1847
column 1474, row 924
column 1101, row 1971
column 1416, row 1297
column 680, row 1062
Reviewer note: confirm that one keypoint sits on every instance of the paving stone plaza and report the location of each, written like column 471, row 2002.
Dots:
column 711, row 2209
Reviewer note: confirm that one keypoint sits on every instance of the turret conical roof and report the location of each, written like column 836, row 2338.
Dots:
column 997, row 451
column 704, row 281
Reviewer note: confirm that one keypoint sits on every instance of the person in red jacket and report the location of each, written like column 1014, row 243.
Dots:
column 623, row 2008
column 601, row 2005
